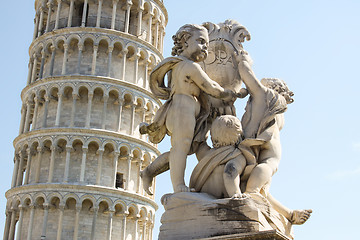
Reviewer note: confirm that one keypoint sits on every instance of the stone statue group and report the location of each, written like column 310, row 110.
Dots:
column 200, row 84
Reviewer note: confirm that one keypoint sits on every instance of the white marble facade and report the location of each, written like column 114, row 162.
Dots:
column 79, row 154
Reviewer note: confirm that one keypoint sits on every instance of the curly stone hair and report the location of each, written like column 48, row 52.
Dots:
column 280, row 87
column 226, row 130
column 182, row 35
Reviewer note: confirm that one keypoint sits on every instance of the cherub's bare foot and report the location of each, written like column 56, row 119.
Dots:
column 238, row 196
column 299, row 217
column 183, row 188
column 147, row 181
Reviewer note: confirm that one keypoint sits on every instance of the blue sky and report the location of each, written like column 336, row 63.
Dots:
column 312, row 45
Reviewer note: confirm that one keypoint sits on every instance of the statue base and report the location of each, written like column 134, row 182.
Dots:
column 201, row 216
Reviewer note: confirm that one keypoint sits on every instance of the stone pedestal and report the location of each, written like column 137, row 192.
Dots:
column 201, row 216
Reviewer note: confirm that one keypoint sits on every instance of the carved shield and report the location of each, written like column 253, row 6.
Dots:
column 224, row 43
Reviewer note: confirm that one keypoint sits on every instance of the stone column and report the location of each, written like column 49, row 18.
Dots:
column 109, row 227
column 140, row 13
column 45, row 220
column 38, row 167
column 110, row 50
column 88, row 113
column 69, row 148
column 135, row 58
column 73, row 109
column 36, row 108
column 149, row 37
column 99, row 167
column 136, row 220
column 7, row 224
column 146, row 64
column 36, row 25
column 93, row 65
column 57, row 14
column 103, row 117
column 47, row 99
column 81, row 47
column 144, row 229
column 156, row 36
column 53, row 49
column 42, row 64
column 31, row 221
column 58, row 110
column 49, row 5
column 123, row 59
column 15, row 171
column 123, row 230
column 76, row 225
column 116, row 159
column 41, row 21
column 52, row 163
column 20, row 223
column 83, row 163
column 60, row 222
column 19, row 178
column 138, row 163
column 120, row 113
column 12, row 224
column 98, row 18
column 93, row 225
column 70, row 13
column 128, row 173
column 31, row 66
column 28, row 165
column 22, row 121
column 27, row 116
column 33, row 77
column 127, row 16
column 113, row 18
column 66, row 48
column 132, row 118
column 83, row 19
column 161, row 34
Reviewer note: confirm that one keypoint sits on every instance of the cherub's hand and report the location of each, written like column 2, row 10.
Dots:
column 243, row 59
column 242, row 93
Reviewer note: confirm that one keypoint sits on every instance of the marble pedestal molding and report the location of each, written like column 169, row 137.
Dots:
column 201, row 216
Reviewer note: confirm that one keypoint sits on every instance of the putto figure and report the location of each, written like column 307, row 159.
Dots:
column 184, row 114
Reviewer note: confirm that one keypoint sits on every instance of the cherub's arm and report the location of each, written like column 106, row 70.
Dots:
column 208, row 85
column 202, row 150
column 253, row 85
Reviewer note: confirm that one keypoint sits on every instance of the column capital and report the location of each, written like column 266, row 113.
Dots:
column 75, row 96
column 62, row 206
column 69, row 148
column 85, row 149
column 78, row 207
column 100, row 151
column 66, row 46
column 81, row 46
column 46, row 206
column 39, row 149
column 106, row 97
column 110, row 49
column 90, row 94
column 52, row 48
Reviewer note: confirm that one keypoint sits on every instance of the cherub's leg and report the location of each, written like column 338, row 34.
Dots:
column 259, row 176
column 231, row 176
column 181, row 140
column 297, row 217
column 158, row 166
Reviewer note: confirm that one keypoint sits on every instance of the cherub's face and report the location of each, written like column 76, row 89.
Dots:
column 197, row 46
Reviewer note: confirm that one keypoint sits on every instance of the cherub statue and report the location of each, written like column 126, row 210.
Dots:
column 184, row 114
column 263, row 120
column 219, row 169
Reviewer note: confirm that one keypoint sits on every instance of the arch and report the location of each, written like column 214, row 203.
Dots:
column 136, row 153
column 88, row 197
column 26, row 200
column 73, row 37
column 110, row 142
column 93, row 140
column 53, row 195
column 102, row 39
column 120, row 207
column 106, row 200
column 69, row 196
column 59, row 39
column 75, row 139
column 88, row 37
column 133, row 210
column 117, row 42
column 39, row 196
column 124, row 149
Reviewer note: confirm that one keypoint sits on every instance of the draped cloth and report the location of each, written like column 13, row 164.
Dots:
column 249, row 147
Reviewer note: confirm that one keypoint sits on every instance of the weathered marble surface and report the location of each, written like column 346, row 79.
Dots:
column 199, row 215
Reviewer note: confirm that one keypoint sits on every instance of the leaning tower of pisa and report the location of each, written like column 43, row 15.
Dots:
column 79, row 152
